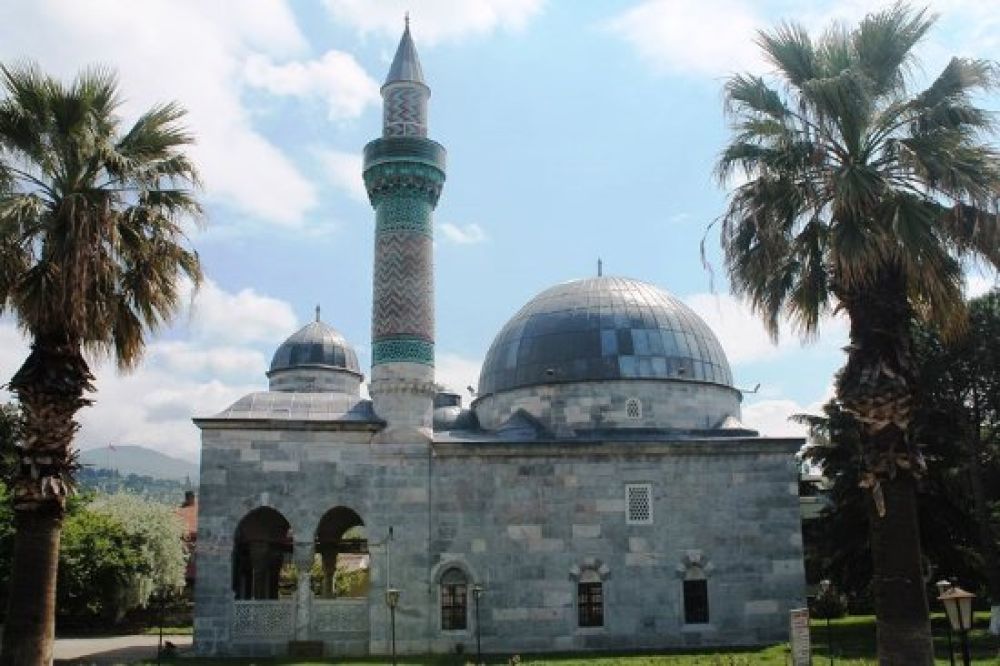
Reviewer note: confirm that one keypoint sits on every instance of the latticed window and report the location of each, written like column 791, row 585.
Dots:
column 633, row 408
column 696, row 601
column 590, row 603
column 639, row 504
column 454, row 600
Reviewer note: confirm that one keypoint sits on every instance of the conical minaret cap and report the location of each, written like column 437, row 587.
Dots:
column 406, row 64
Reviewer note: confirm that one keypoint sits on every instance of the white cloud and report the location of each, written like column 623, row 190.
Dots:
column 742, row 334
column 977, row 284
column 336, row 77
column 456, row 373
column 220, row 355
column 712, row 37
column 434, row 20
column 716, row 37
column 191, row 358
column 467, row 234
column 219, row 316
column 343, row 170
column 771, row 417
column 189, row 51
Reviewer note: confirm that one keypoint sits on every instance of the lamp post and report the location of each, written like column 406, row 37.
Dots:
column 392, row 599
column 943, row 586
column 477, row 591
column 825, row 590
column 958, row 605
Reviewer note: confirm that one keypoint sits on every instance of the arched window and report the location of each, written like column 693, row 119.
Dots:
column 693, row 570
column 454, row 600
column 590, row 599
column 342, row 561
column 696, row 601
column 261, row 546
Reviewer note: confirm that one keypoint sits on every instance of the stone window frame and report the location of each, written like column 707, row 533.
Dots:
column 590, row 570
column 638, row 487
column 694, row 566
column 437, row 573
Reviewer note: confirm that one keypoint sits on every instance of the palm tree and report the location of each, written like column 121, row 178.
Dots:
column 865, row 198
column 92, row 247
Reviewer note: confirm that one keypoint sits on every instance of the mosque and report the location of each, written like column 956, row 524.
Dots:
column 599, row 493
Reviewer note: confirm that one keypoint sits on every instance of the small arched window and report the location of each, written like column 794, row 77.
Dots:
column 454, row 600
column 590, row 599
column 695, row 595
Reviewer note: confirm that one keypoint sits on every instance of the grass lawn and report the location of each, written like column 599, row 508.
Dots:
column 853, row 641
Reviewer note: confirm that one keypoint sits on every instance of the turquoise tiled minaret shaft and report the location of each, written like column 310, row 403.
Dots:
column 404, row 172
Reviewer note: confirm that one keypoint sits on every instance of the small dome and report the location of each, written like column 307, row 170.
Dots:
column 603, row 328
column 315, row 345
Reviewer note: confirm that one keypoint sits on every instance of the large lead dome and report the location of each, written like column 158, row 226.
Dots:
column 603, row 328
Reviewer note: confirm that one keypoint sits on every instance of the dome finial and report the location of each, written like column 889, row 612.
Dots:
column 317, row 312
column 600, row 267
column 406, row 19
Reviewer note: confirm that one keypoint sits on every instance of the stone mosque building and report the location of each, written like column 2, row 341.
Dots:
column 599, row 493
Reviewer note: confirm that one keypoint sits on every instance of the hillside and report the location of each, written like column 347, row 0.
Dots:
column 140, row 461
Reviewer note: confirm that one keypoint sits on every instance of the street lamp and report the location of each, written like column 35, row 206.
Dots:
column 943, row 586
column 825, row 590
column 392, row 599
column 477, row 591
column 958, row 605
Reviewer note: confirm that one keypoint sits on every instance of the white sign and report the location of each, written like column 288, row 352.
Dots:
column 798, row 636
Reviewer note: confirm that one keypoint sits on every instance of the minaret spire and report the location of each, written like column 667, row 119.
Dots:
column 404, row 93
column 404, row 173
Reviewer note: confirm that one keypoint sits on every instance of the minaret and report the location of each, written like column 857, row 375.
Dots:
column 404, row 172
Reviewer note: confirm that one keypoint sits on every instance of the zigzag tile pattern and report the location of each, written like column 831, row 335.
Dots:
column 403, row 299
column 404, row 112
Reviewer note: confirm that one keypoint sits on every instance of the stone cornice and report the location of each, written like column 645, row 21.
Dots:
column 736, row 446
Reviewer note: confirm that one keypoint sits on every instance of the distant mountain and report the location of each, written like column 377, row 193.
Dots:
column 140, row 461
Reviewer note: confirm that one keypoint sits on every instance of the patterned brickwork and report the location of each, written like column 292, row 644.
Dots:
column 404, row 111
column 403, row 298
column 402, row 350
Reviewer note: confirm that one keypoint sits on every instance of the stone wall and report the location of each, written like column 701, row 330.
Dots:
column 581, row 406
column 524, row 521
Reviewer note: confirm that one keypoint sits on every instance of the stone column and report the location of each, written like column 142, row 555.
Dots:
column 303, row 555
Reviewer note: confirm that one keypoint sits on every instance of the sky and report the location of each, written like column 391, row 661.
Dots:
column 575, row 131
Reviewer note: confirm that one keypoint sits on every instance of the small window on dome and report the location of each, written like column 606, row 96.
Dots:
column 633, row 408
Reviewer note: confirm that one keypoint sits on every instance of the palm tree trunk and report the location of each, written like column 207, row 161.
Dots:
column 903, row 629
column 29, row 632
column 876, row 387
column 50, row 388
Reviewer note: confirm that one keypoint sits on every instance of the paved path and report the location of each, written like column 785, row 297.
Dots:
column 113, row 649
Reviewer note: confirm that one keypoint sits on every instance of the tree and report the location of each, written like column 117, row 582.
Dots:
column 91, row 252
column 959, row 409
column 865, row 198
column 115, row 553
column 98, row 560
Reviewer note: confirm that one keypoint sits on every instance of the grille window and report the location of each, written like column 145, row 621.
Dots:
column 454, row 601
column 633, row 408
column 696, row 601
column 638, row 504
column 590, row 604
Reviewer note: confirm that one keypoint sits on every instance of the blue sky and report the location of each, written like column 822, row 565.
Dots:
column 575, row 130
